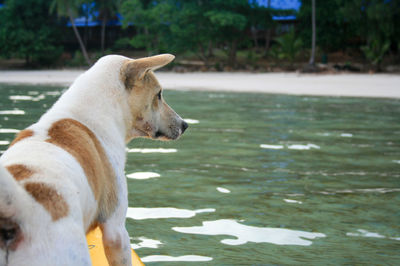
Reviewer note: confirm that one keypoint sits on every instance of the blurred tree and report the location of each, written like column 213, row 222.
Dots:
column 152, row 21
column 344, row 24
column 107, row 9
column 260, row 19
column 229, row 19
column 69, row 8
column 333, row 32
column 289, row 46
column 191, row 30
column 377, row 25
column 314, row 34
column 27, row 31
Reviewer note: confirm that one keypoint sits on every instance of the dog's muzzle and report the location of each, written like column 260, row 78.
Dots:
column 175, row 132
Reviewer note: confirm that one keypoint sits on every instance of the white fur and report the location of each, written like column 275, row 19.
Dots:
column 97, row 99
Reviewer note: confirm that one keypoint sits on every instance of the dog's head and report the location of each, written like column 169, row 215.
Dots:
column 151, row 116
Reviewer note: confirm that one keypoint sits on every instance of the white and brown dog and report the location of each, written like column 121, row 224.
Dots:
column 64, row 175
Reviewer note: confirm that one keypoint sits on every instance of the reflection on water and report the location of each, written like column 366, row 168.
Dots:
column 27, row 97
column 293, row 201
column 187, row 258
column 308, row 146
column 9, row 130
column 346, row 135
column 191, row 121
column 324, row 181
column 245, row 233
column 146, row 243
column 143, row 175
column 365, row 233
column 158, row 213
column 223, row 190
column 159, row 150
column 12, row 112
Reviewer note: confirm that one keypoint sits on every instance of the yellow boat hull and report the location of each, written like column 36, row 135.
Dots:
column 96, row 250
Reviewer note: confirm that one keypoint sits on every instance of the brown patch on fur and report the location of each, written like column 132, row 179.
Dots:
column 49, row 198
column 82, row 143
column 26, row 133
column 19, row 171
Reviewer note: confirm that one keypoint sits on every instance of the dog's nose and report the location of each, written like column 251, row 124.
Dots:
column 184, row 126
column 9, row 233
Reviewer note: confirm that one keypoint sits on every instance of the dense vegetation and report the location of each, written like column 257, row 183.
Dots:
column 219, row 33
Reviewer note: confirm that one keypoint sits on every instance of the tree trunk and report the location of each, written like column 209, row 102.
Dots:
column 254, row 33
column 267, row 41
column 232, row 54
column 267, row 33
column 312, row 58
column 202, row 54
column 84, row 52
column 103, row 33
column 210, row 49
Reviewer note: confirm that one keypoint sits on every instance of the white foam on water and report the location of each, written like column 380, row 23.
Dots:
column 159, row 150
column 191, row 121
column 396, row 161
column 162, row 213
column 292, row 201
column 346, row 135
column 309, row 146
column 8, row 130
column 245, row 233
column 271, row 147
column 27, row 97
column 326, row 134
column 12, row 112
column 53, row 93
column 360, row 190
column 4, row 142
column 223, row 190
column 146, row 243
column 143, row 175
column 365, row 233
column 159, row 258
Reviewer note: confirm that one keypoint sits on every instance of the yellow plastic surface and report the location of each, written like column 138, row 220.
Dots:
column 96, row 250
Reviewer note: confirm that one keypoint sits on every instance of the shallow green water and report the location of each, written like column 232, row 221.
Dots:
column 258, row 179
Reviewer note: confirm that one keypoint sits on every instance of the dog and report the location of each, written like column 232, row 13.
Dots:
column 64, row 175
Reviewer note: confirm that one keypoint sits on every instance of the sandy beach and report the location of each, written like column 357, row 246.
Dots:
column 348, row 85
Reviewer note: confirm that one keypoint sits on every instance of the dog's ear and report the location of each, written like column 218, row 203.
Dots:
column 134, row 70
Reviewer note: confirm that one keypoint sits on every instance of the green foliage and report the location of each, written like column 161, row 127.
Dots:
column 343, row 24
column 28, row 32
column 151, row 19
column 375, row 51
column 186, row 25
column 289, row 46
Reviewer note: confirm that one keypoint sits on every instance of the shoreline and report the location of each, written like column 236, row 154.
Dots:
column 345, row 85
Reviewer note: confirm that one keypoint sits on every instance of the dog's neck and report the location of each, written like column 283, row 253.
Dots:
column 104, row 115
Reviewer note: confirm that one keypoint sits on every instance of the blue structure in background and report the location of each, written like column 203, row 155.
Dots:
column 91, row 20
column 281, row 5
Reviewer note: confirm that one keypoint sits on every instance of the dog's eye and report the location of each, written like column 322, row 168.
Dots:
column 159, row 95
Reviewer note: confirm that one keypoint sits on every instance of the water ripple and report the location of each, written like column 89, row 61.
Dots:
column 158, row 258
column 12, row 112
column 245, row 233
column 142, row 175
column 146, row 243
column 365, row 233
column 159, row 150
column 160, row 213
